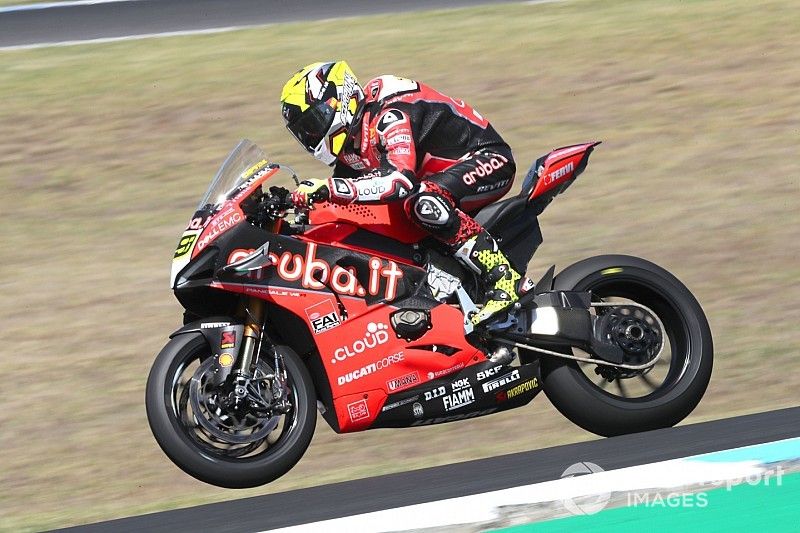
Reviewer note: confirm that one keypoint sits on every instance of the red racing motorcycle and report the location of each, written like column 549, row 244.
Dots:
column 352, row 311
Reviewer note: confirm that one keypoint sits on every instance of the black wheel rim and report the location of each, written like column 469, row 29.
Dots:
column 675, row 359
column 250, row 437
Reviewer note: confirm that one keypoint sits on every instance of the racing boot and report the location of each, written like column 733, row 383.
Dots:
column 481, row 254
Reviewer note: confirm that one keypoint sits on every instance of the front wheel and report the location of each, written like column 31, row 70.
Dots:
column 636, row 301
column 216, row 439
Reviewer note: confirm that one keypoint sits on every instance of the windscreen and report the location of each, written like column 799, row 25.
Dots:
column 233, row 172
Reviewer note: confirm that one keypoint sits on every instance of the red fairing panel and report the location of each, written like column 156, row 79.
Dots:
column 560, row 166
column 367, row 362
column 363, row 358
column 385, row 219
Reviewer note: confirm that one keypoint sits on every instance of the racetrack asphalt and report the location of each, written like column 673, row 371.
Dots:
column 26, row 26
column 461, row 479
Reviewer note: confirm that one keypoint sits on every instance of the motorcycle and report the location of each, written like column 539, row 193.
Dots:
column 351, row 310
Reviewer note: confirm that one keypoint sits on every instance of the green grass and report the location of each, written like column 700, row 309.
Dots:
column 104, row 150
column 6, row 3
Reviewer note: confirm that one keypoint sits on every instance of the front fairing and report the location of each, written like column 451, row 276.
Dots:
column 224, row 204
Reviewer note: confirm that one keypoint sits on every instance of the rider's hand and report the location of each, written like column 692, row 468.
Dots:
column 310, row 191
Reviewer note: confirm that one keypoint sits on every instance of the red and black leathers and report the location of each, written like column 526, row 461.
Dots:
column 409, row 142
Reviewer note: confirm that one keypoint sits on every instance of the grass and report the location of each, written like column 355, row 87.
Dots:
column 104, row 150
column 7, row 3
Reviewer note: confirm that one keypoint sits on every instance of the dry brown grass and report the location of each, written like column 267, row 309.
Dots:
column 105, row 149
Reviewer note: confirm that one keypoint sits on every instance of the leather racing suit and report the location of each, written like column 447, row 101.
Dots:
column 411, row 143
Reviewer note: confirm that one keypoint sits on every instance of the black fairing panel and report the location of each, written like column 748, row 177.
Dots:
column 485, row 388
column 513, row 222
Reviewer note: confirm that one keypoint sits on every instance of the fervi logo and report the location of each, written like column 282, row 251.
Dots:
column 375, row 336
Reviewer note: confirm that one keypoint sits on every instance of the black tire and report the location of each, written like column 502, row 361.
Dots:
column 176, row 440
column 687, row 330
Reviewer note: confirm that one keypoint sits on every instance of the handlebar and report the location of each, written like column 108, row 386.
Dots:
column 275, row 204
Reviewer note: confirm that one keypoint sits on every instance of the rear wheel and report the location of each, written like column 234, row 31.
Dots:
column 213, row 437
column 642, row 308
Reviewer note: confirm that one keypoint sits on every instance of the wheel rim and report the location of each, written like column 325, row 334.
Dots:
column 217, row 430
column 674, row 360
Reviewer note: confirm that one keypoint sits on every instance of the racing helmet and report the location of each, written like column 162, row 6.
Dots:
column 318, row 104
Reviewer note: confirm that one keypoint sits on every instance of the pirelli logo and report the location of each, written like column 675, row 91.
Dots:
column 522, row 388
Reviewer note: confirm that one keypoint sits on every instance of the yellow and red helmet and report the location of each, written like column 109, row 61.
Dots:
column 318, row 104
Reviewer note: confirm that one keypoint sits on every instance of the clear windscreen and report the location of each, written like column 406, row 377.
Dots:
column 237, row 168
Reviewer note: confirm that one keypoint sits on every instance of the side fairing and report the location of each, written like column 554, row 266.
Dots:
column 389, row 220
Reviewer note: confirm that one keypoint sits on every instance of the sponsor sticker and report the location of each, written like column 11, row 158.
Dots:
column 394, row 405
column 208, row 325
column 484, row 168
column 312, row 272
column 322, row 316
column 225, row 360
column 495, row 384
column 458, row 399
column 460, row 384
column 397, row 139
column 489, row 372
column 418, row 411
column 446, row 371
column 522, row 388
column 368, row 369
column 403, row 382
column 228, row 339
column 375, row 336
column 358, row 410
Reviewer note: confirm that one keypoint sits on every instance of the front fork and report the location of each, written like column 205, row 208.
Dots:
column 253, row 337
column 254, row 311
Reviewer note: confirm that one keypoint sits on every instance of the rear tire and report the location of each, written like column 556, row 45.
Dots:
column 178, row 436
column 591, row 407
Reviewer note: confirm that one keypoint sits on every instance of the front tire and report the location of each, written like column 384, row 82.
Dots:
column 571, row 388
column 234, row 464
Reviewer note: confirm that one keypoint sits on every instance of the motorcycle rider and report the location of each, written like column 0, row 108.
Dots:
column 400, row 140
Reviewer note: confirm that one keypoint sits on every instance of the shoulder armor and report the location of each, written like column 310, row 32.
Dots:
column 387, row 86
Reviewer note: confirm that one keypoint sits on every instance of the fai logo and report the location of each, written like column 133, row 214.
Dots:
column 375, row 336
column 322, row 316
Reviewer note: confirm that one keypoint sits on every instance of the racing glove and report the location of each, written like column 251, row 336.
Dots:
column 310, row 191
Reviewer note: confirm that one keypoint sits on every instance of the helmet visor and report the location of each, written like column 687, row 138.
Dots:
column 312, row 125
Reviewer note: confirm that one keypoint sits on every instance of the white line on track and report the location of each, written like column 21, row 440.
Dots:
column 736, row 465
column 128, row 37
column 102, row 40
column 49, row 5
